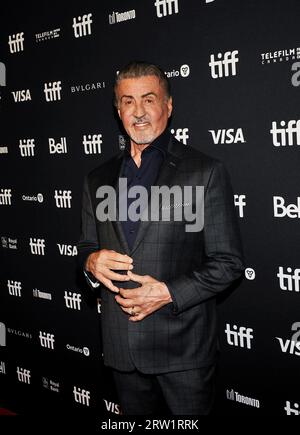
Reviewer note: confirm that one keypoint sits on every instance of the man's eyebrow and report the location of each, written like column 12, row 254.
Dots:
column 143, row 96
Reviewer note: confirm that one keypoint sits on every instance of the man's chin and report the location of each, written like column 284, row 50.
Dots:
column 142, row 140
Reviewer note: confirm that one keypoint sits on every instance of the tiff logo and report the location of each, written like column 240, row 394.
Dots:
column 15, row 42
column 181, row 134
column 14, row 288
column 289, row 281
column 287, row 135
column 46, row 339
column 224, row 67
column 281, row 210
column 5, row 197
column 240, row 203
column 37, row 246
column 23, row 375
column 82, row 25
column 166, row 7
column 239, row 337
column 81, row 396
column 72, row 300
column 92, row 143
column 26, row 147
column 57, row 147
column 291, row 411
column 63, row 198
column 52, row 91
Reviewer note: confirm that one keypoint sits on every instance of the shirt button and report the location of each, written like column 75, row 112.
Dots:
column 131, row 231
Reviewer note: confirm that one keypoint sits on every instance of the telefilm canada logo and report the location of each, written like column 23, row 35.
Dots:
column 279, row 56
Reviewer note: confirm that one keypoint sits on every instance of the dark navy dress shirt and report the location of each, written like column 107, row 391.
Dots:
column 152, row 158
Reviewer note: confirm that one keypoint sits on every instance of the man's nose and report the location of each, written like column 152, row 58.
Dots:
column 139, row 111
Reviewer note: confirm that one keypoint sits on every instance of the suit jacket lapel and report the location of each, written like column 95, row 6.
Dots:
column 166, row 176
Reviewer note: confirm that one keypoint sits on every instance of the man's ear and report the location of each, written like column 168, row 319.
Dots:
column 119, row 113
column 170, row 106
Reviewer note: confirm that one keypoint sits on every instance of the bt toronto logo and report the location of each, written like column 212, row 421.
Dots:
column 187, row 204
column 225, row 65
column 239, row 337
column 16, row 42
column 119, row 17
column 287, row 134
column 82, row 25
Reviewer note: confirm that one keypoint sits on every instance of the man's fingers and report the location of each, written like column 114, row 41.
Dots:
column 115, row 276
column 115, row 256
column 126, row 303
column 118, row 265
column 137, row 278
column 109, row 285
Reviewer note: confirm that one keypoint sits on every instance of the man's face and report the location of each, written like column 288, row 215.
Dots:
column 143, row 108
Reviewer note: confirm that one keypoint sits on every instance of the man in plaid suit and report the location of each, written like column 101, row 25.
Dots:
column 158, row 280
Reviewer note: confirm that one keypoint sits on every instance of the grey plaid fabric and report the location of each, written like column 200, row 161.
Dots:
column 195, row 266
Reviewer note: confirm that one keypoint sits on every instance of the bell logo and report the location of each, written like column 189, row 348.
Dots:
column 281, row 210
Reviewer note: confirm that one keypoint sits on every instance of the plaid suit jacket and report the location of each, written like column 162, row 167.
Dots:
column 195, row 266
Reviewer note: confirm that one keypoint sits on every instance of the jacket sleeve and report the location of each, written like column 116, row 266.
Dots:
column 223, row 262
column 88, row 241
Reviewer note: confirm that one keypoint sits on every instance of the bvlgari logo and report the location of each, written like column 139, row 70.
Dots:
column 87, row 87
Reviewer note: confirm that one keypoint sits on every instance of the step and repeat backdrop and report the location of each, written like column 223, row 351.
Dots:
column 234, row 68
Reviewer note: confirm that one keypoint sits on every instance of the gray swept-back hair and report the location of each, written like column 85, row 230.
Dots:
column 136, row 69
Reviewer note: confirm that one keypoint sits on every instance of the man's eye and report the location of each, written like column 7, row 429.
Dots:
column 149, row 101
column 128, row 102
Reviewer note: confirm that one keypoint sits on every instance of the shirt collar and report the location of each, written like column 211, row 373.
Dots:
column 160, row 143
